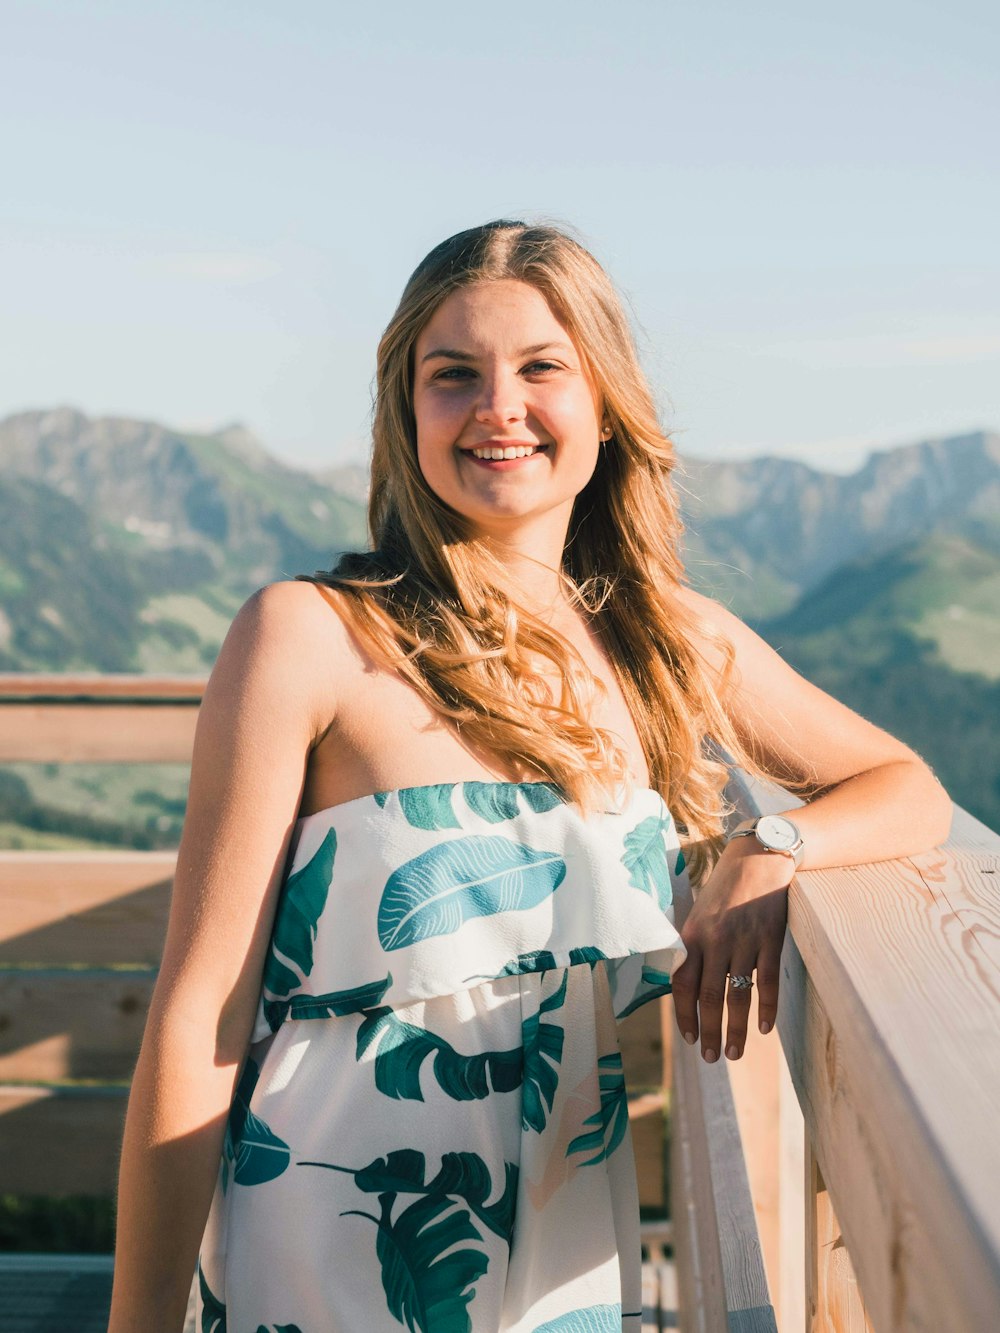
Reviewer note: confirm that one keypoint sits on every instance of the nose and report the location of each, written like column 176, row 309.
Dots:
column 501, row 399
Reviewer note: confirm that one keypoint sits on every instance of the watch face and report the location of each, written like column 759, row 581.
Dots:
column 777, row 832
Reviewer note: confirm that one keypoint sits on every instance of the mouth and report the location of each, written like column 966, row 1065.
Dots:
column 502, row 457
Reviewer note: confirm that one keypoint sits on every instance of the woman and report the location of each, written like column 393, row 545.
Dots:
column 437, row 804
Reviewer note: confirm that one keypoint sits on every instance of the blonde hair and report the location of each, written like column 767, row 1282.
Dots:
column 428, row 599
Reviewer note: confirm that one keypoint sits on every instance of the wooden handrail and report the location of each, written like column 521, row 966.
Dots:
column 114, row 688
column 889, row 1020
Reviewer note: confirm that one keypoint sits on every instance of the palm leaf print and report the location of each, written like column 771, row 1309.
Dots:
column 300, row 906
column 280, row 1328
column 645, row 858
column 594, row 1319
column 541, row 796
column 340, row 1003
column 466, row 1176
column 492, row 801
column 429, row 807
column 679, row 867
column 611, row 1118
column 659, row 983
column 334, row 1004
column 543, row 1048
column 258, row 1155
column 402, row 1049
column 213, row 1312
column 588, row 954
column 452, row 882
column 498, row 801
column 428, row 1252
column 542, row 960
column 463, row 1175
column 237, row 1117
column 427, row 1289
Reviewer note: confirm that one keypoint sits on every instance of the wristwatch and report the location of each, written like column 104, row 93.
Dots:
column 776, row 833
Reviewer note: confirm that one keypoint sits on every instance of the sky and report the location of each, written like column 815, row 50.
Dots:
column 208, row 210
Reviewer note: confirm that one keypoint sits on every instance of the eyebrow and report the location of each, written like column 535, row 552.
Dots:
column 452, row 354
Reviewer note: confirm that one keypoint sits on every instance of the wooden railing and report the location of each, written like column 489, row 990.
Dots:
column 842, row 1175
column 862, row 1189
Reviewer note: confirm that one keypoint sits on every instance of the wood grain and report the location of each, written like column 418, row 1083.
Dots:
column 99, row 685
column 67, row 733
column 58, row 1024
column 84, row 907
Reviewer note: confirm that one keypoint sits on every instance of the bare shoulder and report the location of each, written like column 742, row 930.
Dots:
column 713, row 631
column 272, row 693
column 289, row 639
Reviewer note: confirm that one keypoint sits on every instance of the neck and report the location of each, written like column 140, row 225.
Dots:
column 531, row 563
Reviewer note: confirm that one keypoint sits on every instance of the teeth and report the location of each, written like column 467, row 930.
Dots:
column 514, row 451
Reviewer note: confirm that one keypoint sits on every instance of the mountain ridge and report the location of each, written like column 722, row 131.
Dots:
column 126, row 545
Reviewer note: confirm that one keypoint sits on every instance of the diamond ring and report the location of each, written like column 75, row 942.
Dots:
column 740, row 983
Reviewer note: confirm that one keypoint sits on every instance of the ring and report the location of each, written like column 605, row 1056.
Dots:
column 740, row 983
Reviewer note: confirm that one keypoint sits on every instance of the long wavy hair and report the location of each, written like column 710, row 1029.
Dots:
column 428, row 600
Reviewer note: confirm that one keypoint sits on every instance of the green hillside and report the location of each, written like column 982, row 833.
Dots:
column 892, row 637
column 128, row 546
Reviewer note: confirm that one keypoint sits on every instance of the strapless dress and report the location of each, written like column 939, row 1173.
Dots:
column 430, row 1131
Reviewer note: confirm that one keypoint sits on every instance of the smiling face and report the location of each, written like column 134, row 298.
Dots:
column 495, row 370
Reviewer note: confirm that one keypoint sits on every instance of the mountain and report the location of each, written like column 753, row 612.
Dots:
column 183, row 527
column 128, row 546
column 910, row 639
column 764, row 531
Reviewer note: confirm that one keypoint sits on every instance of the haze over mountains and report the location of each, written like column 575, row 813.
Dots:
column 127, row 546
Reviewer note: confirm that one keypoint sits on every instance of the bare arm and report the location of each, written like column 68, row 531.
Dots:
column 268, row 699
column 872, row 799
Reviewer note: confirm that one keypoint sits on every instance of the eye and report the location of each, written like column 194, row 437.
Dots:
column 453, row 373
column 540, row 367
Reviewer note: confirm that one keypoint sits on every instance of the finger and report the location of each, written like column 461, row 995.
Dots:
column 684, row 984
column 711, row 997
column 768, row 972
column 738, row 1007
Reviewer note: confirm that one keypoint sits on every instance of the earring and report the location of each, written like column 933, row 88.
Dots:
column 606, row 433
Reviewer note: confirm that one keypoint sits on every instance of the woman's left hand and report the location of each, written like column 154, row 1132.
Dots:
column 736, row 924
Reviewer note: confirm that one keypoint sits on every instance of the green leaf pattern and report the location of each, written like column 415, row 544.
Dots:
column 645, row 856
column 300, row 906
column 454, row 881
column 430, row 1251
column 255, row 1154
column 499, row 888
column 213, row 1312
column 610, row 1120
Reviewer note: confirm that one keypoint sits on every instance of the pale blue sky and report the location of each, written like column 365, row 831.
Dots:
column 208, row 210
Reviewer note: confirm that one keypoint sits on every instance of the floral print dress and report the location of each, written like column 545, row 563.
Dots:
column 431, row 1129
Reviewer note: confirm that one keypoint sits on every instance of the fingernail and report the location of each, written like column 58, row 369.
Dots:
column 733, row 1051
column 765, row 1026
column 710, row 1055
column 690, row 1038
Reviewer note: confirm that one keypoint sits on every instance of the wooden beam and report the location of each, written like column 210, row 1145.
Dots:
column 67, row 1023
column 834, row 1300
column 84, row 907
column 77, row 733
column 59, row 1141
column 22, row 685
column 908, row 1155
